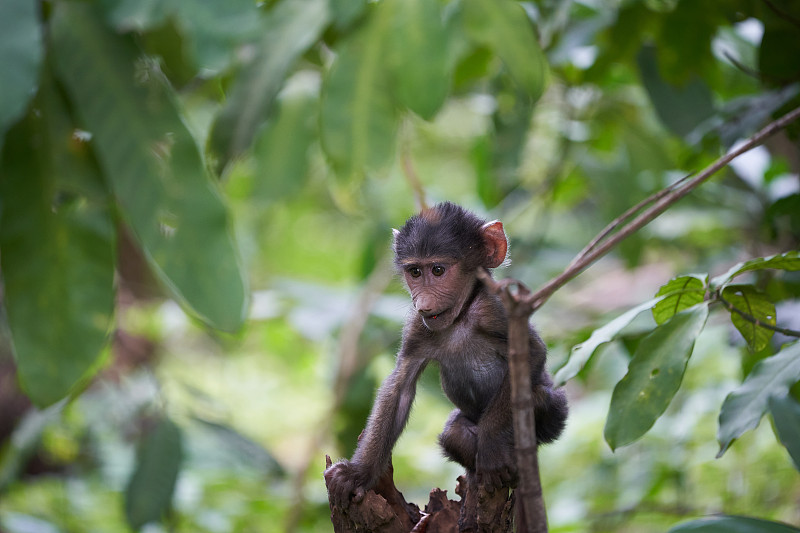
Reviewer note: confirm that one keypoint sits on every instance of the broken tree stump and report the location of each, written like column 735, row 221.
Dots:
column 384, row 510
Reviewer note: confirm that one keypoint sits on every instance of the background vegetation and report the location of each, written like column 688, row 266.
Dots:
column 197, row 201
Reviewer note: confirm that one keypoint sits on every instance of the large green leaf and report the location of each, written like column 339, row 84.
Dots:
column 744, row 407
column 213, row 30
column 345, row 12
column 417, row 54
column 152, row 164
column 20, row 58
column 58, row 252
column 281, row 151
column 786, row 414
column 136, row 14
column 654, row 376
column 291, row 28
column 779, row 53
column 681, row 109
column 787, row 261
column 733, row 524
column 754, row 303
column 679, row 294
column 581, row 353
column 358, row 119
column 216, row 29
column 148, row 496
column 503, row 26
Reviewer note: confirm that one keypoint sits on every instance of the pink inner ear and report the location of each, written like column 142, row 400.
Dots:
column 496, row 243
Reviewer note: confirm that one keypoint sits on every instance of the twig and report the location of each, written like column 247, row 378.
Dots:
column 411, row 173
column 587, row 257
column 413, row 180
column 741, row 66
column 750, row 318
column 782, row 14
column 625, row 216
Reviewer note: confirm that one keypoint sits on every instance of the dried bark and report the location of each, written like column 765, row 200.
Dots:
column 384, row 510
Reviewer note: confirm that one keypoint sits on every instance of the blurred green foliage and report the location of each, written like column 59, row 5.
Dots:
column 196, row 203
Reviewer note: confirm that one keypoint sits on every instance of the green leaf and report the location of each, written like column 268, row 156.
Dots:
column 152, row 164
column 654, row 376
column 358, row 119
column 733, row 524
column 21, row 52
column 148, row 496
column 786, row 414
column 213, row 30
column 58, row 253
column 140, row 15
column 744, row 407
column 417, row 55
column 344, row 12
column 581, row 353
column 685, row 39
column 679, row 294
column 504, row 27
column 787, row 261
column 291, row 28
column 779, row 53
column 748, row 300
column 281, row 151
column 216, row 29
column 681, row 109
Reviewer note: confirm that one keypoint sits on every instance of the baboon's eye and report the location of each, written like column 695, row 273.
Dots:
column 437, row 270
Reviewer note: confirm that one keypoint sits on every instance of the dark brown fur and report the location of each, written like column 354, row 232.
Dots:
column 462, row 327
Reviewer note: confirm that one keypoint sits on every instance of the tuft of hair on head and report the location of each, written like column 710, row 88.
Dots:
column 444, row 230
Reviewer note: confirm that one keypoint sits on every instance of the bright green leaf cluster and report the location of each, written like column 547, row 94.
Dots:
column 290, row 29
column 678, row 295
column 656, row 370
column 757, row 311
column 133, row 151
column 402, row 58
column 156, row 171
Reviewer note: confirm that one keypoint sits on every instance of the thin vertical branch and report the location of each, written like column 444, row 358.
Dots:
column 409, row 170
column 532, row 516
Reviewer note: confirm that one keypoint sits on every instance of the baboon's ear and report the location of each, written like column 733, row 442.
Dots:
column 496, row 243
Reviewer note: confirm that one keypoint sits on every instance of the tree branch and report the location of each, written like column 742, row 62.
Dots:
column 531, row 512
column 521, row 304
column 661, row 201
